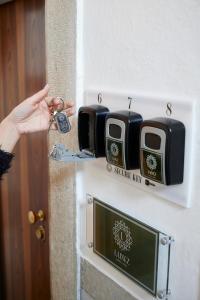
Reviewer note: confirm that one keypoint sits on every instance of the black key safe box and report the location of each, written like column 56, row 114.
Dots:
column 162, row 147
column 122, row 139
column 91, row 129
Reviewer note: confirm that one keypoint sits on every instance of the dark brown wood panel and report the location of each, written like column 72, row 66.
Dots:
column 24, row 264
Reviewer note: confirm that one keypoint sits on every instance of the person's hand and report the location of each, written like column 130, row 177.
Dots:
column 34, row 113
column 31, row 115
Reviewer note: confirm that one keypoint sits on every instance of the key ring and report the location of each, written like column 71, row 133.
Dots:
column 62, row 102
column 54, row 108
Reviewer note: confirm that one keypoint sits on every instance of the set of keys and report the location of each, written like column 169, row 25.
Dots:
column 60, row 119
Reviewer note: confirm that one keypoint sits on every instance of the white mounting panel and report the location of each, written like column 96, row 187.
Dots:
column 150, row 107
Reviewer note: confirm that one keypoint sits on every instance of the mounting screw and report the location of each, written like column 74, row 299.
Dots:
column 164, row 242
column 169, row 292
column 90, row 245
column 161, row 295
column 167, row 240
column 89, row 199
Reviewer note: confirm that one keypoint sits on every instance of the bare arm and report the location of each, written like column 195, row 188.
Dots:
column 9, row 136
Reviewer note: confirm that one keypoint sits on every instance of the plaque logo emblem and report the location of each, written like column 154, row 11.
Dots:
column 122, row 235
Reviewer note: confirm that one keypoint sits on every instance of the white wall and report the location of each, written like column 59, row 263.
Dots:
column 150, row 47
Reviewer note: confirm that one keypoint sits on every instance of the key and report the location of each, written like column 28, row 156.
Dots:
column 61, row 119
column 62, row 122
column 51, row 122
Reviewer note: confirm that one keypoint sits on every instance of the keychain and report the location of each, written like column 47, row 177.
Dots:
column 60, row 119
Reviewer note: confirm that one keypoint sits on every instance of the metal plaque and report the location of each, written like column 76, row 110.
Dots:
column 136, row 249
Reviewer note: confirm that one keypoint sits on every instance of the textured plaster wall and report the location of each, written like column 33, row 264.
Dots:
column 61, row 64
column 150, row 47
column 100, row 287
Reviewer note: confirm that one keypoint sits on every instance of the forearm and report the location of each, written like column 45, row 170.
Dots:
column 9, row 135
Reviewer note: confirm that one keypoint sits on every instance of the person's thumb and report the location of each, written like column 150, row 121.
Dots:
column 39, row 96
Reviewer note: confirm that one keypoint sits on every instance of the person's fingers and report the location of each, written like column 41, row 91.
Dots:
column 39, row 96
column 69, row 108
column 54, row 103
column 58, row 104
column 54, row 126
column 49, row 100
column 69, row 111
column 69, row 104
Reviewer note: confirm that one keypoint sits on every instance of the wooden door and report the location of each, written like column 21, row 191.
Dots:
column 24, row 266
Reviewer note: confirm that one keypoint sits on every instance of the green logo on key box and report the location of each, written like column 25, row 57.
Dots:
column 152, row 165
column 115, row 153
